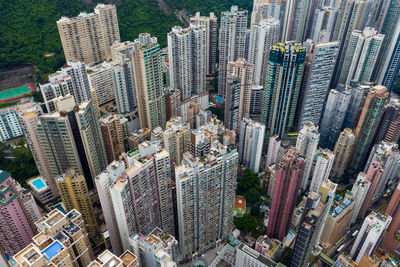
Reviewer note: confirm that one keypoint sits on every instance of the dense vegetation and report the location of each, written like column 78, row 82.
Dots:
column 28, row 30
column 207, row 6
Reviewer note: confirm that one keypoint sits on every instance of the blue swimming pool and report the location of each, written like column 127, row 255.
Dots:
column 38, row 183
column 219, row 99
column 52, row 250
column 290, row 235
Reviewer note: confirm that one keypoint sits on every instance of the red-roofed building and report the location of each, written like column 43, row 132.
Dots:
column 240, row 206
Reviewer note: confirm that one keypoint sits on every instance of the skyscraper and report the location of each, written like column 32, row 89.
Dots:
column 263, row 35
column 88, row 37
column 361, row 55
column 370, row 235
column 389, row 128
column 232, row 102
column 358, row 96
column 101, row 78
column 16, row 230
column 71, row 79
column 264, row 9
column 176, row 139
column 245, row 72
column 28, row 113
column 274, row 144
column 210, row 23
column 187, row 54
column 10, row 127
column 113, row 138
column 75, row 195
column 359, row 192
column 368, row 123
column 251, row 144
column 342, row 152
column 317, row 82
column 290, row 171
column 323, row 24
column 388, row 154
column 205, row 190
column 62, row 241
column 149, row 82
column 282, row 86
column 390, row 240
column 232, row 39
column 352, row 15
column 307, row 144
column 71, row 138
column 335, row 111
column 324, row 159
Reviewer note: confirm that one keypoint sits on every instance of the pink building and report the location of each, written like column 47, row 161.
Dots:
column 274, row 144
column 391, row 240
column 290, row 171
column 16, row 230
column 374, row 175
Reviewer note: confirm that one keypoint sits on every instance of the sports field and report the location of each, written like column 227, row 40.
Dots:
column 15, row 93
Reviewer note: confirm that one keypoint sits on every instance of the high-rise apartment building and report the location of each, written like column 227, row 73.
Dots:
column 335, row 111
column 71, row 79
column 187, row 54
column 10, row 127
column 307, row 144
column 374, row 175
column 389, row 128
column 317, row 81
column 232, row 102
column 359, row 191
column 149, row 82
column 323, row 24
column 274, row 143
column 101, row 78
column 176, row 139
column 264, row 34
column 390, row 240
column 28, row 113
column 343, row 148
column 62, row 241
column 88, row 37
column 357, row 100
column 289, row 175
column 352, row 15
column 285, row 60
column 324, row 159
column 245, row 72
column 205, row 192
column 71, row 138
column 264, row 9
column 251, row 141
column 158, row 248
column 367, row 124
column 113, row 138
column 361, row 55
column 232, row 42
column 75, row 195
column 255, row 102
column 370, row 235
column 388, row 154
column 16, row 228
column 210, row 23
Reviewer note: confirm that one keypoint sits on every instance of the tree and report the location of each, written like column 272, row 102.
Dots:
column 246, row 223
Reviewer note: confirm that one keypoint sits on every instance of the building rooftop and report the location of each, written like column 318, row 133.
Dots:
column 240, row 203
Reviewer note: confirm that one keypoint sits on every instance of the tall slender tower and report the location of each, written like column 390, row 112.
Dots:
column 210, row 23
column 88, row 37
column 390, row 240
column 265, row 9
column 282, row 86
column 232, row 102
column 187, row 54
column 286, row 188
column 232, row 40
column 245, row 72
column 149, row 82
column 367, row 124
column 323, row 165
column 361, row 55
column 334, row 114
column 342, row 152
column 322, row 63
column 307, row 144
column 176, row 139
column 113, row 138
column 29, row 113
column 389, row 128
column 75, row 195
column 71, row 138
column 359, row 191
column 263, row 36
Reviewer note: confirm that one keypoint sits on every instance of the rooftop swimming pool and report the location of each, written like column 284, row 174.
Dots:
column 38, row 183
column 52, row 250
column 219, row 99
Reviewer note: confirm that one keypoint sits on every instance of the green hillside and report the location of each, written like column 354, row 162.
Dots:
column 28, row 30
